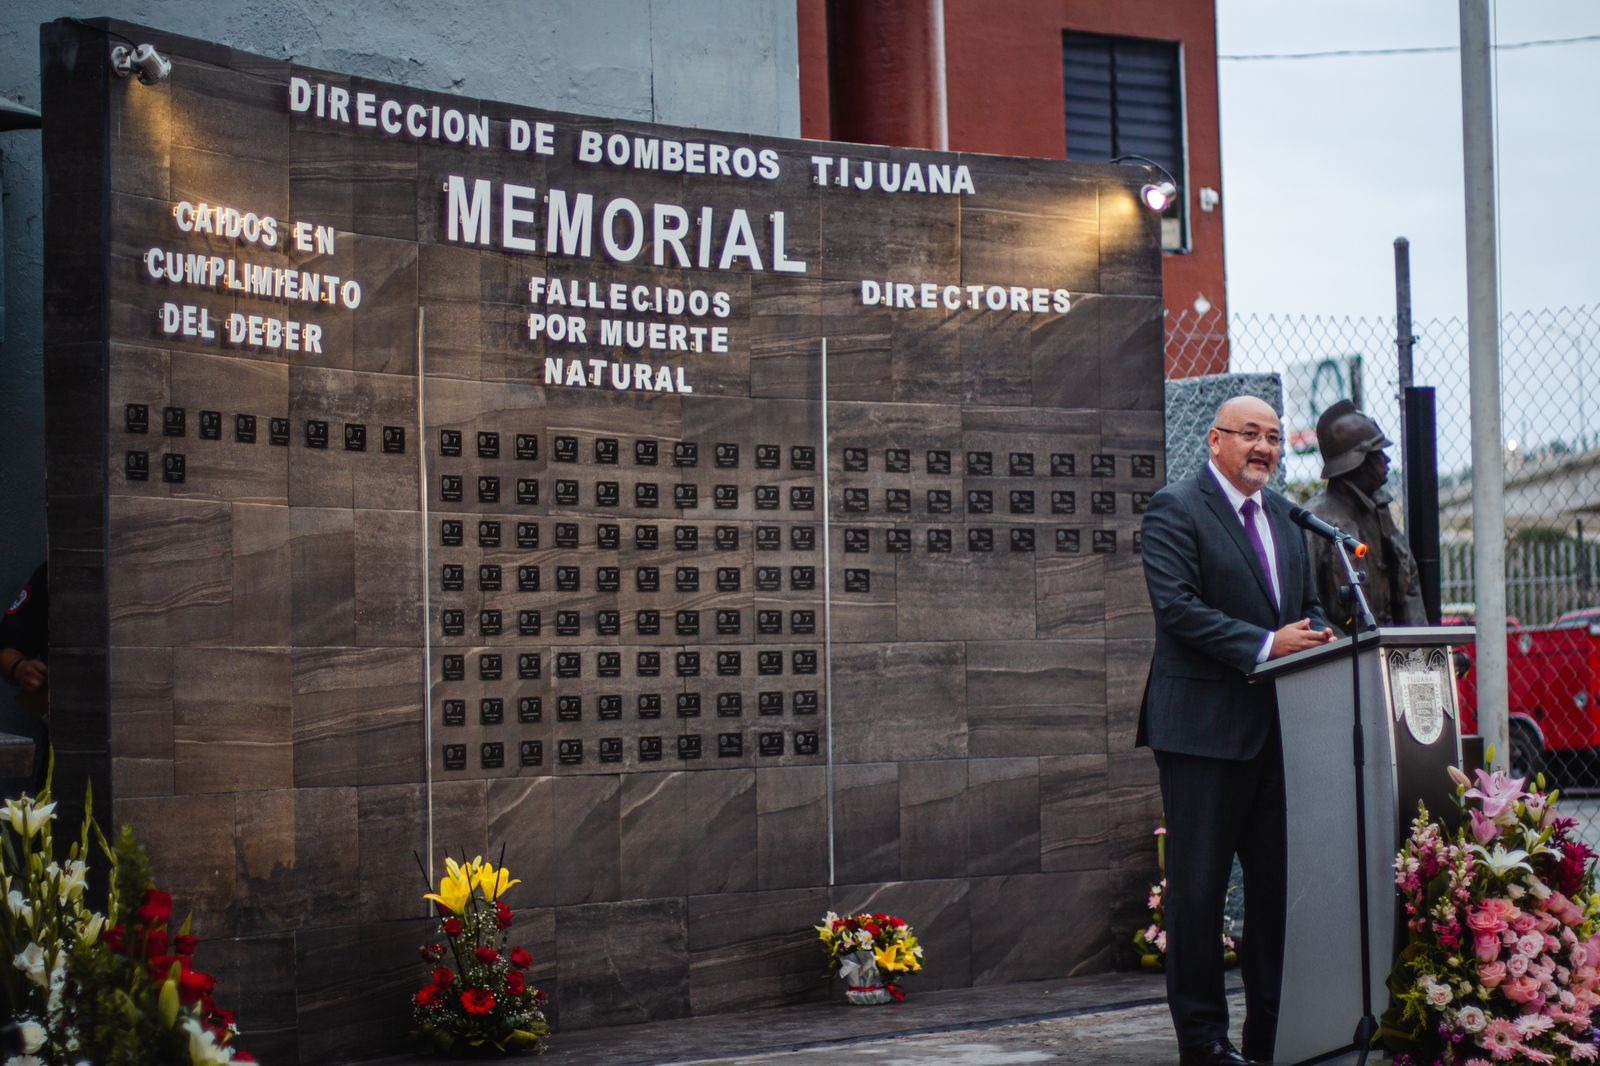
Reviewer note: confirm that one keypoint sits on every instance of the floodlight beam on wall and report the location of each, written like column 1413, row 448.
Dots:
column 150, row 65
column 1157, row 194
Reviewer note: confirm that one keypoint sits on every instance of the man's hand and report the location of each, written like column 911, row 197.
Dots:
column 31, row 674
column 1297, row 636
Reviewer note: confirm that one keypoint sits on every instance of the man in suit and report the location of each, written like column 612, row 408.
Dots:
column 1232, row 587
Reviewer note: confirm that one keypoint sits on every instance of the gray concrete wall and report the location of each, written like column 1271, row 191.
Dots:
column 719, row 64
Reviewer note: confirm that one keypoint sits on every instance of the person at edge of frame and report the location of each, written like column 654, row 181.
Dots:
column 1231, row 586
column 1356, row 500
column 24, row 657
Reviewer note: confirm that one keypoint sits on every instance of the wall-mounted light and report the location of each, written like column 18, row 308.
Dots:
column 1160, row 191
column 150, row 65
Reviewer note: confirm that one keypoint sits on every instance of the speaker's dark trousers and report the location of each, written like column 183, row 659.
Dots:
column 1242, row 813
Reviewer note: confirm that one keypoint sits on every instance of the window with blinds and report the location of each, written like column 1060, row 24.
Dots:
column 1124, row 96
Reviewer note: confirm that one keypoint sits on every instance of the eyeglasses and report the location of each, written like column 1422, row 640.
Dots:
column 1251, row 436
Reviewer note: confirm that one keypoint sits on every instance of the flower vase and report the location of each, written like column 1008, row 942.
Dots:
column 863, row 984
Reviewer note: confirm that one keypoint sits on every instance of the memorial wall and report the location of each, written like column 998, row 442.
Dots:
column 729, row 528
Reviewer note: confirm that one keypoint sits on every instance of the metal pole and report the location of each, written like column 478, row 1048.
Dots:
column 1483, row 345
column 1403, row 341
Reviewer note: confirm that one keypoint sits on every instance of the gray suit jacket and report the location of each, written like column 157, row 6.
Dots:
column 1213, row 607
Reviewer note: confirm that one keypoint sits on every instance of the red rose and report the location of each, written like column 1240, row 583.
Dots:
column 452, row 927
column 444, row 977
column 477, row 1001
column 157, row 907
column 898, row 923
column 155, row 943
column 873, row 928
column 520, row 958
column 194, row 984
column 113, row 938
column 502, row 914
column 428, row 996
column 224, row 1018
column 488, row 956
column 515, row 982
column 184, row 944
column 441, row 908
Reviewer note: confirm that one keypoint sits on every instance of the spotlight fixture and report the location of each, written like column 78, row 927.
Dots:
column 1158, row 193
column 150, row 65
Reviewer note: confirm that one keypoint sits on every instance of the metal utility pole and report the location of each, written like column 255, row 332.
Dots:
column 1483, row 346
column 1404, row 340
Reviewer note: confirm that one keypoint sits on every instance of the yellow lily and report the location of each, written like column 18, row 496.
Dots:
column 495, row 883
column 455, row 887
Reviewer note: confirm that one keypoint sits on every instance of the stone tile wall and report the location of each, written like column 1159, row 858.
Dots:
column 911, row 556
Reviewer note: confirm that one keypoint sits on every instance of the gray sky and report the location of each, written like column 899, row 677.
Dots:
column 1326, row 161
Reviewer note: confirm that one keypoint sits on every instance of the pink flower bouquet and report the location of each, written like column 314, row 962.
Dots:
column 1500, row 961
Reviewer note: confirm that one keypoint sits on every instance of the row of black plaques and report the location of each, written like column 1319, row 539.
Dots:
column 647, row 663
column 647, row 495
column 608, row 707
column 569, row 752
column 174, row 423
column 607, row 451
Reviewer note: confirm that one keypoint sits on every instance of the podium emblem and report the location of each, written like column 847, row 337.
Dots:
column 1417, row 677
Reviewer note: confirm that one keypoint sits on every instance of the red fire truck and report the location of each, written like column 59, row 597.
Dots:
column 1553, row 684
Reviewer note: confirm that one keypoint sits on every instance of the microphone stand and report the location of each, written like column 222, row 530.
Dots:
column 1361, row 612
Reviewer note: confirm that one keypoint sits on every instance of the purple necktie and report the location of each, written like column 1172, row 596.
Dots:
column 1248, row 513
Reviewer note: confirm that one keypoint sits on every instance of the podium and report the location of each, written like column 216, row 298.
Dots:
column 1404, row 684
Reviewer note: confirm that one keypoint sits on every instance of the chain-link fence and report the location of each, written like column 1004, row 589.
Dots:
column 1550, row 365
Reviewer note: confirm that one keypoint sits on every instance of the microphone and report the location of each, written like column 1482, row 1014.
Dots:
column 1306, row 520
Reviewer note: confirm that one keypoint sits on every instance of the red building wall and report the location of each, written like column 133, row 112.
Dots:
column 1004, row 85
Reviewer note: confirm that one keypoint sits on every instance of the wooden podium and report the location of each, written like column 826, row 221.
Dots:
column 1403, row 682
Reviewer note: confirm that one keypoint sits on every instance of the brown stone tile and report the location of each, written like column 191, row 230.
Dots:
column 354, row 984
column 357, row 716
column 1127, row 667
column 966, row 595
column 1035, row 697
column 586, row 818
column 1075, row 819
column 933, row 819
column 655, row 835
column 1064, row 355
column 754, row 949
column 519, row 813
column 720, row 822
column 1003, row 819
column 141, row 721
column 261, row 589
column 232, row 728
column 388, row 593
column 1133, row 788
column 866, row 822
column 1005, row 909
column 623, row 963
column 170, row 572
column 791, row 827
column 256, row 980
column 322, row 575
column 298, row 857
column 190, row 840
column 1071, row 588
column 899, row 701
